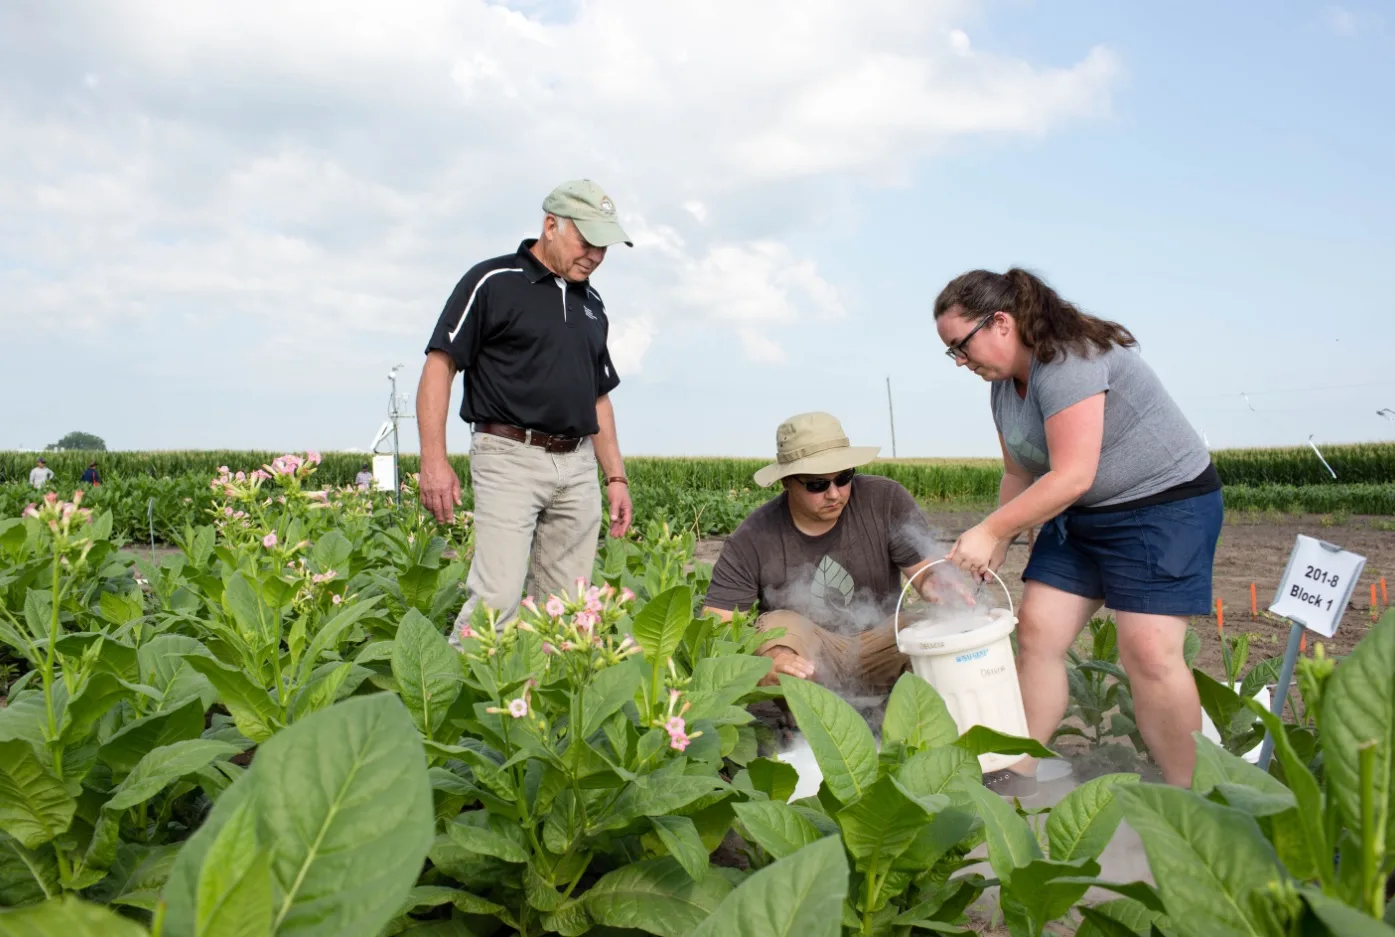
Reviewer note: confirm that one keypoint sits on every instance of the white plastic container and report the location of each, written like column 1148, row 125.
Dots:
column 967, row 658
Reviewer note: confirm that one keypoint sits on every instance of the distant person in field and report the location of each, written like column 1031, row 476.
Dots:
column 364, row 478
column 90, row 475
column 1095, row 449
column 529, row 332
column 824, row 560
column 40, row 475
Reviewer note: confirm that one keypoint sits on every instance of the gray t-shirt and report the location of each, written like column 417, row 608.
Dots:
column 848, row 578
column 1148, row 444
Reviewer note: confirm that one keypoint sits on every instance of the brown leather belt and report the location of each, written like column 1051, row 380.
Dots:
column 531, row 437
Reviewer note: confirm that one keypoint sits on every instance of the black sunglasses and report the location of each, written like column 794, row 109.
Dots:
column 817, row 486
column 956, row 351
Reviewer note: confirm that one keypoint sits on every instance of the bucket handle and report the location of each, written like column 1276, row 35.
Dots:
column 896, row 619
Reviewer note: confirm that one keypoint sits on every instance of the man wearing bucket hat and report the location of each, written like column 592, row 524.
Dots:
column 825, row 558
column 529, row 331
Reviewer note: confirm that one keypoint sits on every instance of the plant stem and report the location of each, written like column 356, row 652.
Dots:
column 1372, row 834
column 46, row 672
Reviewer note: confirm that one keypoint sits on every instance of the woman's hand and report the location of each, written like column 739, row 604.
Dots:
column 978, row 550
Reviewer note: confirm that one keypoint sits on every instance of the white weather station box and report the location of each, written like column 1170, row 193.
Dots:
column 1317, row 585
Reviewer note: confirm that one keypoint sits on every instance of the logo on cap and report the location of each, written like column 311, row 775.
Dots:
column 607, row 205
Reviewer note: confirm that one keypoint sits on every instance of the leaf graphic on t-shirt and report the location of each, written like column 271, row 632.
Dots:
column 1022, row 448
column 830, row 580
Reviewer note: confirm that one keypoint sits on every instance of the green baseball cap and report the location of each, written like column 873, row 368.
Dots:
column 590, row 209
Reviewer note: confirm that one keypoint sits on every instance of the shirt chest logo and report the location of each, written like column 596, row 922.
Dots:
column 589, row 314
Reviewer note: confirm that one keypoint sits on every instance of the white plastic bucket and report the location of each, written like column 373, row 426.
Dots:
column 968, row 659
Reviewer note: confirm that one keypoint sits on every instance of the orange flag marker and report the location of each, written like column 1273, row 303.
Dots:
column 1254, row 602
column 1384, row 598
column 1220, row 616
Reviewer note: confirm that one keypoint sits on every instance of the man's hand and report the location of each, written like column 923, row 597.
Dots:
column 440, row 489
column 787, row 662
column 621, row 511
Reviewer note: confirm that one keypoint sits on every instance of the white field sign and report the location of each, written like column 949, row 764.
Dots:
column 1317, row 584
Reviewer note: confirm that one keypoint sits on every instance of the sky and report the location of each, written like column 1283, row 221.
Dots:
column 222, row 224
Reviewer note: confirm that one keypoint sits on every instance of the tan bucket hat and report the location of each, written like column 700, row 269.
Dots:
column 812, row 444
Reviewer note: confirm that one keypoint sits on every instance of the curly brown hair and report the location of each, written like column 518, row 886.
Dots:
column 1048, row 324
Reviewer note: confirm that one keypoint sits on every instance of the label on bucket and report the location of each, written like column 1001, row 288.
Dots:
column 972, row 655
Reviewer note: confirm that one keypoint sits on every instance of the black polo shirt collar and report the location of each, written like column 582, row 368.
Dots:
column 534, row 269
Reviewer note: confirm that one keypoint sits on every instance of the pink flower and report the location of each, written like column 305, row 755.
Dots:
column 466, row 631
column 678, row 741
column 312, row 457
column 608, row 591
column 585, row 622
column 222, row 470
column 228, row 511
column 626, row 595
column 529, row 604
column 30, row 510
column 336, row 599
column 51, row 498
column 555, row 608
column 548, row 648
column 518, row 708
column 323, row 577
column 261, row 475
column 676, row 726
column 580, row 585
column 269, row 540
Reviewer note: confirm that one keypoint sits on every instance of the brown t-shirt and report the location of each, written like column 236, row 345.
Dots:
column 848, row 578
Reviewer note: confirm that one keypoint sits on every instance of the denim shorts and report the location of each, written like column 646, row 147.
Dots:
column 1155, row 560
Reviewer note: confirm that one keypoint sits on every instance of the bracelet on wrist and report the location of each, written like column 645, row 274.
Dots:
column 613, row 479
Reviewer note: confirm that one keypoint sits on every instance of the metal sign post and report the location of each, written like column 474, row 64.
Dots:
column 1313, row 593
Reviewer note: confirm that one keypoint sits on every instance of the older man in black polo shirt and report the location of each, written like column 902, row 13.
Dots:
column 529, row 331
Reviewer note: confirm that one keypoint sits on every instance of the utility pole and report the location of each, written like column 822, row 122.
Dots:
column 891, row 415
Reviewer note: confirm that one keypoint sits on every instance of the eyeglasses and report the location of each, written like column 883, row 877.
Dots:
column 956, row 351
column 817, row 486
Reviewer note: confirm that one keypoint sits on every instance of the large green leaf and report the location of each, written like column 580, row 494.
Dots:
column 839, row 738
column 981, row 740
column 136, row 739
column 137, row 876
column 880, row 826
column 67, row 917
column 35, row 807
column 427, row 671
column 99, row 693
column 659, row 626
column 917, row 715
column 152, row 774
column 1011, row 844
column 939, row 771
column 656, row 895
column 343, row 797
column 1358, row 706
column 327, row 638
column 247, row 608
column 332, row 551
column 163, row 667
column 718, row 682
column 252, row 708
column 1119, row 918
column 646, row 797
column 800, row 895
column 680, row 837
column 181, row 892
column 1081, row 825
column 607, row 693
column 27, row 876
column 1206, row 859
column 1043, row 890
column 1342, row 920
column 234, row 887
column 418, row 585
column 25, row 718
column 1311, row 827
column 486, row 842
column 776, row 827
column 1242, row 784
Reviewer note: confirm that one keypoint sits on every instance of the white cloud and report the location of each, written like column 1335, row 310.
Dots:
column 1348, row 22
column 326, row 172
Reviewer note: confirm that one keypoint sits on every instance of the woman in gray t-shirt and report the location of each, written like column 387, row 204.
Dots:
column 1095, row 450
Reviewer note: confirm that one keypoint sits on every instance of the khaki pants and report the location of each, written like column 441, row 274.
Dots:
column 529, row 501
column 869, row 660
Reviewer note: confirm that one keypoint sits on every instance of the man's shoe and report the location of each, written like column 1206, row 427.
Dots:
column 1008, row 783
